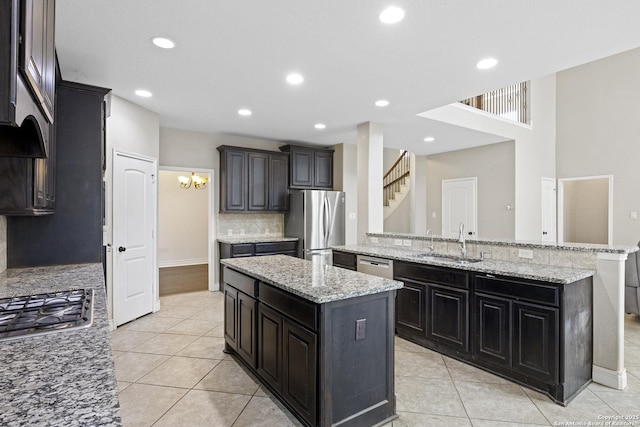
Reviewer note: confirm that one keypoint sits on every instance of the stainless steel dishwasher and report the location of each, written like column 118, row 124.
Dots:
column 375, row 266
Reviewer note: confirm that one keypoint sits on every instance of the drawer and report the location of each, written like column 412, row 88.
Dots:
column 345, row 259
column 519, row 290
column 300, row 310
column 241, row 249
column 241, row 282
column 425, row 273
column 275, row 247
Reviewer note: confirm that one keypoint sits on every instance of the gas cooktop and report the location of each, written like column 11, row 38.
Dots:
column 45, row 313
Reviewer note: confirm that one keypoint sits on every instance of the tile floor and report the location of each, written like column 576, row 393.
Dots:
column 171, row 371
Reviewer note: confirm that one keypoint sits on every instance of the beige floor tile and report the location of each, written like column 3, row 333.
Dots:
column 204, row 408
column 184, row 372
column 461, row 371
column 404, row 345
column 151, row 323
column 213, row 315
column 177, row 311
column 169, row 344
column 428, row 396
column 218, row 331
column 622, row 403
column 126, row 339
column 494, row 423
column 500, row 402
column 191, row 327
column 633, row 371
column 631, row 355
column 131, row 367
column 117, row 353
column 425, row 365
column 205, row 347
column 585, row 407
column 122, row 385
column 142, row 405
column 408, row 419
column 229, row 377
column 262, row 392
column 265, row 412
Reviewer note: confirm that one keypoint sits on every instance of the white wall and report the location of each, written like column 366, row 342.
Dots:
column 182, row 222
column 133, row 129
column 494, row 166
column 345, row 178
column 598, row 132
column 534, row 149
column 3, row 243
column 586, row 211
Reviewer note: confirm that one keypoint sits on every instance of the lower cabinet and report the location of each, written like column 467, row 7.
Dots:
column 536, row 333
column 288, row 360
column 239, row 326
column 345, row 260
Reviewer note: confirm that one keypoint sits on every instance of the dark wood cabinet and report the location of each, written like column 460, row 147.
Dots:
column 310, row 167
column 247, row 335
column 299, row 373
column 270, row 346
column 536, row 341
column 231, row 316
column 448, row 313
column 493, row 329
column 27, row 77
column 433, row 308
column 235, row 250
column 37, row 56
column 345, row 260
column 252, row 180
column 241, row 309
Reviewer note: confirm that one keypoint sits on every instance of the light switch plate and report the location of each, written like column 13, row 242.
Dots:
column 406, row 243
column 397, row 242
column 374, row 240
column 525, row 253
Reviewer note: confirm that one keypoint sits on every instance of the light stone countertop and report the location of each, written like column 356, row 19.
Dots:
column 239, row 240
column 65, row 378
column 313, row 282
column 545, row 273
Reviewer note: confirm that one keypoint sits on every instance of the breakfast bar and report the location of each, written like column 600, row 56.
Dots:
column 319, row 337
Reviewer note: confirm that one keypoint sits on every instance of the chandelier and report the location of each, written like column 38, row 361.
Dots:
column 197, row 181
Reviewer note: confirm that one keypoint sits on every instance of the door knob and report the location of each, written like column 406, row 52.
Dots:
column 545, row 233
column 121, row 249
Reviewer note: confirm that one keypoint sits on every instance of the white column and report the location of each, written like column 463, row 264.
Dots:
column 370, row 158
column 608, row 321
column 418, row 214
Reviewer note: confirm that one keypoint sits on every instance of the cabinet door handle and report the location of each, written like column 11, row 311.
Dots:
column 121, row 249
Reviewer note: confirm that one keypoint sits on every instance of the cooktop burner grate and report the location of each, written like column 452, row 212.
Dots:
column 45, row 313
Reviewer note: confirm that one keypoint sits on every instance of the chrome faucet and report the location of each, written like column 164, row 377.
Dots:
column 461, row 239
column 430, row 247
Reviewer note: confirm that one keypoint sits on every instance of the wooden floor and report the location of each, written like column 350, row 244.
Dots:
column 190, row 278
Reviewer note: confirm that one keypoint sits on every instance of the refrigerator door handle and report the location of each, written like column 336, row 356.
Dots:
column 326, row 220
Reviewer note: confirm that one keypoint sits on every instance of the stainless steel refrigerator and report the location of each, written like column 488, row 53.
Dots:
column 317, row 218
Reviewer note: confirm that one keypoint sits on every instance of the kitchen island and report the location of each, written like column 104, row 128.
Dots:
column 319, row 337
column 65, row 378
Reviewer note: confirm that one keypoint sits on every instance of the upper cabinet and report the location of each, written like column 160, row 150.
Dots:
column 252, row 180
column 27, row 77
column 310, row 167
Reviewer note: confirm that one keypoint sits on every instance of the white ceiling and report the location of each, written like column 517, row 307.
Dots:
column 236, row 54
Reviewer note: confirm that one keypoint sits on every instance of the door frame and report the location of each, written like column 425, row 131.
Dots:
column 474, row 181
column 560, row 214
column 211, row 230
column 555, row 184
column 154, row 252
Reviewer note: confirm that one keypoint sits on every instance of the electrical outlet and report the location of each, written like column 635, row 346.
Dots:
column 242, row 231
column 229, row 232
column 525, row 253
column 374, row 240
column 360, row 329
column 406, row 243
column 397, row 242
column 352, row 215
column 634, row 215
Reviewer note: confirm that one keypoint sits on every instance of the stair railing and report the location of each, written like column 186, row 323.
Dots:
column 395, row 177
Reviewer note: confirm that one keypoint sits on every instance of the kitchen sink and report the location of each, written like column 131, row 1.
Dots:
column 446, row 258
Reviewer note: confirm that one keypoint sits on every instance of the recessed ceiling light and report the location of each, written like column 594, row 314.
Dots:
column 382, row 103
column 487, row 63
column 295, row 79
column 320, row 126
column 244, row 112
column 429, row 139
column 163, row 42
column 391, row 15
column 143, row 93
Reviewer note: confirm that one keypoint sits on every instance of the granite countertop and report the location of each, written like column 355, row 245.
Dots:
column 316, row 283
column 545, row 273
column 243, row 239
column 65, row 378
column 576, row 247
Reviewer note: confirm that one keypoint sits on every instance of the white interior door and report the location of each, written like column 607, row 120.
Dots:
column 459, row 205
column 549, row 203
column 134, row 223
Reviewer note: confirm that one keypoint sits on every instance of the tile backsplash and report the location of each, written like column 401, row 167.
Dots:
column 250, row 225
column 3, row 243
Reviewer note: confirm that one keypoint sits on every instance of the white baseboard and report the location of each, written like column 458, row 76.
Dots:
column 215, row 287
column 112, row 326
column 613, row 379
column 182, row 262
